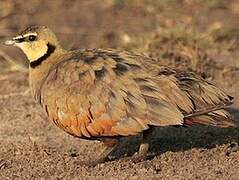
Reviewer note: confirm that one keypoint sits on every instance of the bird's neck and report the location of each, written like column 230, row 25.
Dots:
column 39, row 69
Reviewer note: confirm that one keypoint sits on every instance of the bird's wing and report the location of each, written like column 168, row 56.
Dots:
column 103, row 93
column 199, row 94
column 200, row 101
column 97, row 93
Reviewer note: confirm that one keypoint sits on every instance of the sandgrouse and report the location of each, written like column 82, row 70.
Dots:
column 106, row 94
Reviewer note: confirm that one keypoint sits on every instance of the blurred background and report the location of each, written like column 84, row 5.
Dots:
column 197, row 35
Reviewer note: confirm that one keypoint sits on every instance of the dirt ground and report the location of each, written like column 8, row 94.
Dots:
column 197, row 35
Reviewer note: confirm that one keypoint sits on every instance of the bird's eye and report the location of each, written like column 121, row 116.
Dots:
column 32, row 38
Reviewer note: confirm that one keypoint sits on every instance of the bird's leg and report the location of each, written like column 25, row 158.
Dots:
column 110, row 145
column 144, row 146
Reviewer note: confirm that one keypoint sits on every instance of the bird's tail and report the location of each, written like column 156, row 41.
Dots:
column 219, row 118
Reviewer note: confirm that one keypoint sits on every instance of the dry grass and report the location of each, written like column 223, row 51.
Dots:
column 187, row 49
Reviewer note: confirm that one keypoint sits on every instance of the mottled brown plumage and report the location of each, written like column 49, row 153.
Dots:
column 107, row 94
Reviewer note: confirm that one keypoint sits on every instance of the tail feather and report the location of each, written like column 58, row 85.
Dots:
column 219, row 118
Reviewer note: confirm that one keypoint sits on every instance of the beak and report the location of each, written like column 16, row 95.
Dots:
column 9, row 42
column 14, row 40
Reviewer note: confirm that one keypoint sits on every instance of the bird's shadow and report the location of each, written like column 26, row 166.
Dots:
column 178, row 139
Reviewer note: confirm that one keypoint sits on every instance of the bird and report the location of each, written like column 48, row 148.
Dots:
column 108, row 94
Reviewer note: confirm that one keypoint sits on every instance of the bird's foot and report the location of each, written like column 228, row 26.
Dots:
column 103, row 157
column 137, row 158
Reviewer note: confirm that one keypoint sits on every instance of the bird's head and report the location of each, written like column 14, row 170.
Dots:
column 36, row 42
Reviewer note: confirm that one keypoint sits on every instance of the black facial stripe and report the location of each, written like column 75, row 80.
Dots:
column 19, row 40
column 50, row 50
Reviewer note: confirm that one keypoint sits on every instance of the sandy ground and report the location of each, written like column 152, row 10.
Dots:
column 32, row 148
